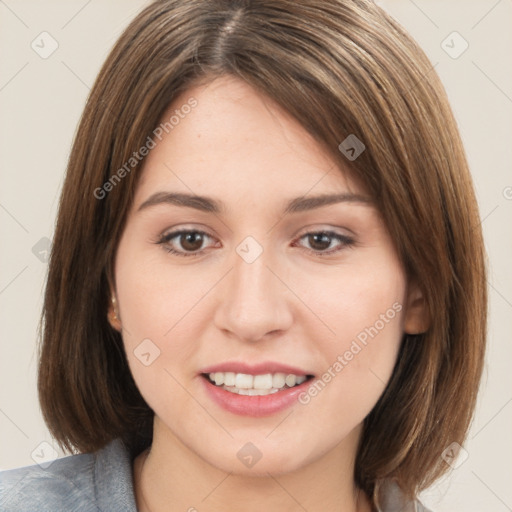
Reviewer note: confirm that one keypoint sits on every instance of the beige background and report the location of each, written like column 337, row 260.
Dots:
column 41, row 101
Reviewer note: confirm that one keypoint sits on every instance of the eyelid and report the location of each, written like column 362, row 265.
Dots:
column 326, row 228
column 179, row 231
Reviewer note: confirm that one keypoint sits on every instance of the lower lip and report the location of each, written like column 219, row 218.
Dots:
column 245, row 405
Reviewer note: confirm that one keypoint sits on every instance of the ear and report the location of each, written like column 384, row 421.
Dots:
column 113, row 311
column 113, row 315
column 417, row 317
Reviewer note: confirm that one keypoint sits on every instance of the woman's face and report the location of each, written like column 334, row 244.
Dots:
column 294, row 306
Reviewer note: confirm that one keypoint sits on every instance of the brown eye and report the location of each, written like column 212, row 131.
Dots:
column 191, row 241
column 184, row 242
column 319, row 241
column 325, row 243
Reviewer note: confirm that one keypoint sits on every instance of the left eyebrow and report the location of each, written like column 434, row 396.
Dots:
column 301, row 204
column 210, row 205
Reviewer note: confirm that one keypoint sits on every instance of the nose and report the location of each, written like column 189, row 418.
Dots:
column 253, row 301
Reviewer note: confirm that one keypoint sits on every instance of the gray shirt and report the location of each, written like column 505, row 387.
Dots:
column 102, row 481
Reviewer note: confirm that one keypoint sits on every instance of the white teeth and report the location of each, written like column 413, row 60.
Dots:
column 229, row 379
column 278, row 380
column 251, row 392
column 255, row 385
column 243, row 381
column 290, row 380
column 263, row 381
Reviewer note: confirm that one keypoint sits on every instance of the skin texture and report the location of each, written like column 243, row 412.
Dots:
column 290, row 305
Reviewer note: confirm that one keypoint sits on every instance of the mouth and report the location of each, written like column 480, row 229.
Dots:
column 255, row 385
column 259, row 390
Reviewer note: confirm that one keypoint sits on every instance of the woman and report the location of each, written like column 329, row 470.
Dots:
column 267, row 280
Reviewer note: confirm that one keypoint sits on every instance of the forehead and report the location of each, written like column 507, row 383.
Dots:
column 237, row 141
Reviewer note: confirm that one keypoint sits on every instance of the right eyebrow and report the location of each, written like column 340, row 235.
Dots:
column 202, row 203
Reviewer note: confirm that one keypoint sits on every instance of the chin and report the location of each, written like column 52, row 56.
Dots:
column 258, row 457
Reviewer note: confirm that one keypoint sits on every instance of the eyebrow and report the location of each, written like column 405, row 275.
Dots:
column 210, row 205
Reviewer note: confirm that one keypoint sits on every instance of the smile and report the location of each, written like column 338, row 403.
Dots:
column 254, row 390
column 255, row 385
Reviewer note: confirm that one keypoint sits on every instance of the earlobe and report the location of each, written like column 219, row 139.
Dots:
column 417, row 317
column 113, row 314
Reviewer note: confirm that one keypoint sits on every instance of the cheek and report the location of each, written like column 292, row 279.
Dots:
column 364, row 308
column 356, row 301
column 155, row 298
column 153, row 305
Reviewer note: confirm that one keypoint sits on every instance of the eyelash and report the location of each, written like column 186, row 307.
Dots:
column 346, row 241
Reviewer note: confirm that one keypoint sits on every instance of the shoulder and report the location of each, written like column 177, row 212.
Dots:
column 391, row 499
column 81, row 483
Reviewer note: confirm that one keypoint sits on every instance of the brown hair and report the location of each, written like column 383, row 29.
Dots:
column 338, row 67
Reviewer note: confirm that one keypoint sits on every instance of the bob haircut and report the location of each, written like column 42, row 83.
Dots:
column 338, row 67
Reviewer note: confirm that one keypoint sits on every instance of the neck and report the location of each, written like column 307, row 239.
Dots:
column 170, row 477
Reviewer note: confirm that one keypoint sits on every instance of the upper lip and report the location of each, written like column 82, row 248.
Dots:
column 254, row 369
